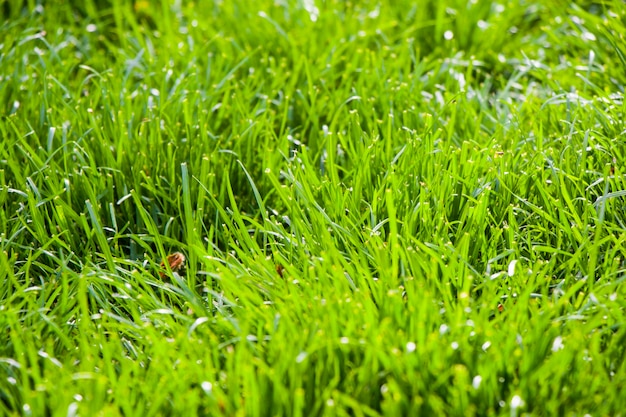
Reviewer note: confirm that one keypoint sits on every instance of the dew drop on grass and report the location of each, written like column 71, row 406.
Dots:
column 511, row 270
column 557, row 344
column 516, row 402
column 410, row 347
column 454, row 345
column 486, row 345
column 476, row 381
column 72, row 410
column 207, row 387
column 588, row 36
column 443, row 329
column 309, row 6
column 448, row 35
column 301, row 357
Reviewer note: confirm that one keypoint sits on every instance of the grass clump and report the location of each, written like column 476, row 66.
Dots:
column 386, row 208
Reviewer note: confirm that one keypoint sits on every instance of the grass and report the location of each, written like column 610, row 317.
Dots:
column 386, row 208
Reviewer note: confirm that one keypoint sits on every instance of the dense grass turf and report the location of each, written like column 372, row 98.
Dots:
column 387, row 208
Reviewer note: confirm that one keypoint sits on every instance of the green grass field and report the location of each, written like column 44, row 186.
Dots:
column 386, row 207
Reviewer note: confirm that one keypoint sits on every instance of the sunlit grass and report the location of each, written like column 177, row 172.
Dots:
column 386, row 208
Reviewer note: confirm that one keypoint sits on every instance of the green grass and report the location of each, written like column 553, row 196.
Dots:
column 387, row 208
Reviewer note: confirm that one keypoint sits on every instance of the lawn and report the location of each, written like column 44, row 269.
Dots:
column 380, row 207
